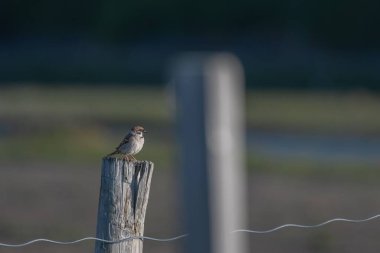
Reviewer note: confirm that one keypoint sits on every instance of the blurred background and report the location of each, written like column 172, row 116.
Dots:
column 75, row 76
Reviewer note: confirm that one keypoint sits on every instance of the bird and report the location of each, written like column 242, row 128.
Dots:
column 131, row 144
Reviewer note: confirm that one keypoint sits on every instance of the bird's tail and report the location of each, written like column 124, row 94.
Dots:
column 114, row 153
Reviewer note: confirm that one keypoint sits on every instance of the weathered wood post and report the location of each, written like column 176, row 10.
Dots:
column 123, row 200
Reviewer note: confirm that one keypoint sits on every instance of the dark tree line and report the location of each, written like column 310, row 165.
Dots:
column 338, row 23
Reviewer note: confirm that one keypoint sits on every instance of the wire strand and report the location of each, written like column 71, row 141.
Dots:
column 185, row 235
column 94, row 239
column 305, row 226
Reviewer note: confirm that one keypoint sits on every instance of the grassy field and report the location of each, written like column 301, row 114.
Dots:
column 52, row 141
column 351, row 112
column 307, row 111
column 80, row 124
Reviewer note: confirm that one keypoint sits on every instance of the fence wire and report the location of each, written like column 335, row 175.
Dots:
column 185, row 235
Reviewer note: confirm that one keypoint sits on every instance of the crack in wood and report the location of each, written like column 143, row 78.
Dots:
column 122, row 204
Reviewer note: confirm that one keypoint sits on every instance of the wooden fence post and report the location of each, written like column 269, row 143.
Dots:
column 123, row 200
column 210, row 117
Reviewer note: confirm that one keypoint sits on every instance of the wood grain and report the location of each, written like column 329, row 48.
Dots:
column 123, row 200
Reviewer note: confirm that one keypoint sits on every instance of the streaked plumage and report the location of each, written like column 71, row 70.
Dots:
column 132, row 143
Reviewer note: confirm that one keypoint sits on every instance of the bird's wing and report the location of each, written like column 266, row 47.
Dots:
column 125, row 140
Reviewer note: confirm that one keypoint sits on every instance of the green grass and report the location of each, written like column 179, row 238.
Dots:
column 84, row 145
column 84, row 103
column 306, row 111
column 317, row 112
column 78, row 145
column 305, row 168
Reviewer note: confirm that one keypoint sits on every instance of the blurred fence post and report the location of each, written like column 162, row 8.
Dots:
column 123, row 200
column 210, row 113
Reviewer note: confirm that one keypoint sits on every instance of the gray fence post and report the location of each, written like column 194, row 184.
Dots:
column 123, row 200
column 210, row 116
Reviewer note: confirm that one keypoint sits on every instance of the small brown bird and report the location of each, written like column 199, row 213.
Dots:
column 132, row 143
